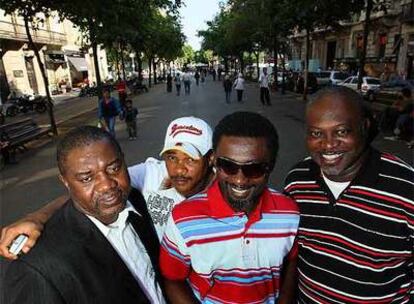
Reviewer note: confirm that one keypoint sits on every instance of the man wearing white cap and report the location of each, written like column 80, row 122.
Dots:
column 185, row 170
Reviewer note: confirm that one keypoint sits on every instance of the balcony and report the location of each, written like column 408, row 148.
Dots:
column 13, row 31
column 407, row 12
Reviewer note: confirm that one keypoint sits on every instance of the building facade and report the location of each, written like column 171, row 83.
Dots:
column 60, row 47
column 390, row 46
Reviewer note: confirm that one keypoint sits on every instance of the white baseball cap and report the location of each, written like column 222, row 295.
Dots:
column 190, row 135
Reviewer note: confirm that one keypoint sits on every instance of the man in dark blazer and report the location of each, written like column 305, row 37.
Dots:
column 84, row 254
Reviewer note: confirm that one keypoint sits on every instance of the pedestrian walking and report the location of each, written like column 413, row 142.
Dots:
column 227, row 84
column 109, row 108
column 239, row 86
column 197, row 77
column 214, row 73
column 122, row 94
column 169, row 83
column 131, row 114
column 187, row 82
column 264, row 88
column 177, row 81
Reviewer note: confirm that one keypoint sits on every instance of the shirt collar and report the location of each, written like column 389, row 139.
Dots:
column 120, row 222
column 219, row 208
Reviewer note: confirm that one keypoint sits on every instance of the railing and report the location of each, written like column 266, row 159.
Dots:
column 13, row 31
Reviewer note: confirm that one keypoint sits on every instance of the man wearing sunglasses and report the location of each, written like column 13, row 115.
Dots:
column 234, row 243
column 185, row 170
column 357, row 211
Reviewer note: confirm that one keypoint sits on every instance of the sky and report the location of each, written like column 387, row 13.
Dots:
column 194, row 15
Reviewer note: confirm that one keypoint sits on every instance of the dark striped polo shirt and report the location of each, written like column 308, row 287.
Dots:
column 357, row 248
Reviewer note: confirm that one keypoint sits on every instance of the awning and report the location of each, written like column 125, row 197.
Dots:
column 79, row 63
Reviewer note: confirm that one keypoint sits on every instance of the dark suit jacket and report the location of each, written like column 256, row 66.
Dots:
column 73, row 262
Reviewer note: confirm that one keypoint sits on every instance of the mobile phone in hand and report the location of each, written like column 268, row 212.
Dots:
column 18, row 244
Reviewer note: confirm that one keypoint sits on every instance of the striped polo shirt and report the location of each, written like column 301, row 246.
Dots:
column 357, row 248
column 227, row 256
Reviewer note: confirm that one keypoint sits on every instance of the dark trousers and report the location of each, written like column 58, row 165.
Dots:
column 264, row 96
column 132, row 128
column 178, row 87
column 228, row 95
column 187, row 85
column 239, row 95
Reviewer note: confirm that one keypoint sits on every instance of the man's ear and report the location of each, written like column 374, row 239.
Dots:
column 64, row 181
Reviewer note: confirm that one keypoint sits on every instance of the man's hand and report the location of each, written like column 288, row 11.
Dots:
column 29, row 226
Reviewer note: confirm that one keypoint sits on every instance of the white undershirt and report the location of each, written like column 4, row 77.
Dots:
column 336, row 187
column 127, row 244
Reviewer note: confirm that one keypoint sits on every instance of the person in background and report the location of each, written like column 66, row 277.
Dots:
column 122, row 93
column 177, row 81
column 239, row 86
column 108, row 109
column 197, row 77
column 131, row 114
column 169, row 82
column 264, row 88
column 227, row 84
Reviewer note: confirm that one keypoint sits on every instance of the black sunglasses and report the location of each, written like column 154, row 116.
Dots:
column 252, row 170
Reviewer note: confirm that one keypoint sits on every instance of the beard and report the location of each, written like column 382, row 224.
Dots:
column 244, row 205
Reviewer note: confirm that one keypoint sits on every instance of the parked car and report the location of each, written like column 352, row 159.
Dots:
column 368, row 86
column 325, row 78
column 388, row 92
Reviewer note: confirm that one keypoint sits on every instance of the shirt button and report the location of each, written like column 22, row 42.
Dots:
column 247, row 241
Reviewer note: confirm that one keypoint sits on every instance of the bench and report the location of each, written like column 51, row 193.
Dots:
column 18, row 133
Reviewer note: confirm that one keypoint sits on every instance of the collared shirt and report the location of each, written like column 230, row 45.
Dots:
column 127, row 244
column 227, row 256
column 264, row 80
column 357, row 248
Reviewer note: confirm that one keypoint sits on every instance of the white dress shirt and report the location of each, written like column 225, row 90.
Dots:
column 127, row 244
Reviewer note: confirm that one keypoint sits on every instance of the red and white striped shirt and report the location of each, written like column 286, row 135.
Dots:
column 227, row 256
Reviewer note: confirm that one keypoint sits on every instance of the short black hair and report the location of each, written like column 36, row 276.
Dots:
column 344, row 93
column 80, row 137
column 248, row 124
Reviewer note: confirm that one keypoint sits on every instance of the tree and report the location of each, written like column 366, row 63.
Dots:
column 33, row 13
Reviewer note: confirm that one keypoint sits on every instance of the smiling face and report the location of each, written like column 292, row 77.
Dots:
column 97, row 180
column 240, row 192
column 336, row 137
column 187, row 175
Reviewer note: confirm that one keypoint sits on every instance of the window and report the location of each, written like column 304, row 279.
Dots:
column 354, row 80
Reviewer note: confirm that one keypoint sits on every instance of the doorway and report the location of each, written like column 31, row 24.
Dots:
column 31, row 74
column 330, row 54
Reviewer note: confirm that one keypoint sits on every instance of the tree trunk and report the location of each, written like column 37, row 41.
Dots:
column 241, row 63
column 149, row 71
column 365, row 43
column 122, row 60
column 275, row 50
column 226, row 65
column 139, row 59
column 154, row 68
column 305, row 76
column 118, row 72
column 283, row 69
column 257, row 64
column 44, row 76
column 94, row 45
